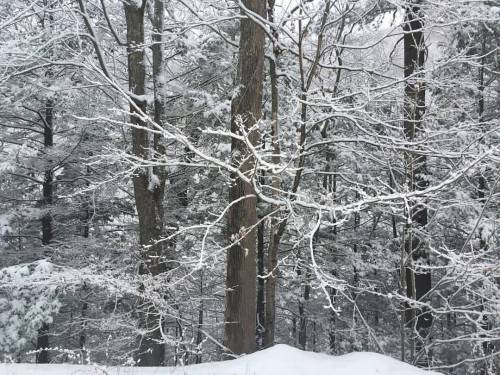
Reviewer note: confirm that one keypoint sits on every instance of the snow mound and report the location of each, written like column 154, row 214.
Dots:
column 278, row 360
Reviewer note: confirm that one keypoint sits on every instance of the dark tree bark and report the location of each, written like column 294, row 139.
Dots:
column 199, row 333
column 149, row 185
column 418, row 284
column 306, row 79
column 303, row 313
column 42, row 342
column 82, row 340
column 482, row 194
column 330, row 186
column 275, row 234
column 261, row 308
column 239, row 335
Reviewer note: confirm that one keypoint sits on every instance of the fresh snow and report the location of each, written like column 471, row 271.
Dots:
column 278, row 360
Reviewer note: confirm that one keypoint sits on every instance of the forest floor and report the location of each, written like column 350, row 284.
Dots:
column 278, row 360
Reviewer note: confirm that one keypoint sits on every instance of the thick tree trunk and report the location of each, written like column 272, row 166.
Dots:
column 418, row 284
column 239, row 335
column 42, row 342
column 148, row 188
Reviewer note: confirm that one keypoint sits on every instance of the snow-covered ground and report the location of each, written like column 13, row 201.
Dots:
column 278, row 360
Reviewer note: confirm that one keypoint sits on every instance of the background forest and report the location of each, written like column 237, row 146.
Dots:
column 182, row 181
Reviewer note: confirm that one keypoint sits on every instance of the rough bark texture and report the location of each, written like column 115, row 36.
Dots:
column 42, row 341
column 239, row 335
column 417, row 283
column 148, row 189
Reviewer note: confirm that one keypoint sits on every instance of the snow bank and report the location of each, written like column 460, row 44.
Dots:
column 278, row 360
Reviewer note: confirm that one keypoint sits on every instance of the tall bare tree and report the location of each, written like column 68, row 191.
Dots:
column 149, row 184
column 239, row 335
column 42, row 342
column 47, row 118
column 418, row 282
column 274, row 237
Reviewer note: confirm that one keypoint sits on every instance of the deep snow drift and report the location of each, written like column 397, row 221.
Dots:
column 278, row 360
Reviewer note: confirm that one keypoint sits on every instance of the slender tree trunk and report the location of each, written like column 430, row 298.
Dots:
column 330, row 187
column 306, row 79
column 82, row 340
column 260, row 323
column 42, row 342
column 199, row 333
column 482, row 189
column 149, row 185
column 87, row 216
column 275, row 233
column 239, row 335
column 417, row 283
column 278, row 226
column 314, row 335
column 157, row 49
column 303, row 313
